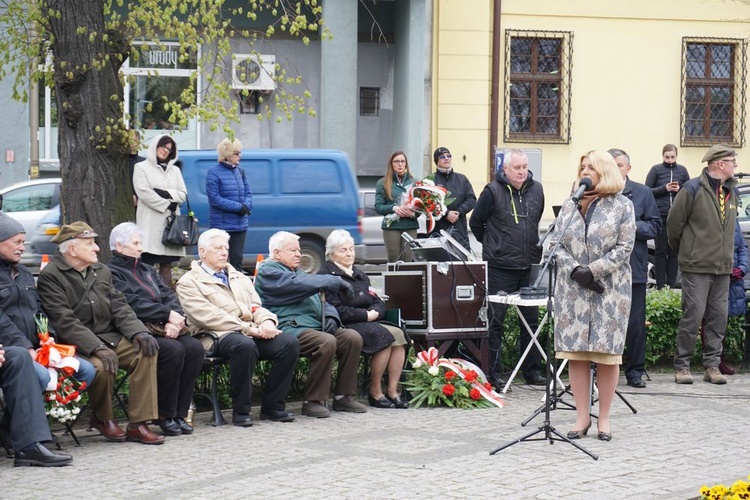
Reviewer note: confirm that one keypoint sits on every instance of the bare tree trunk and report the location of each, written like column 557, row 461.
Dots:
column 92, row 146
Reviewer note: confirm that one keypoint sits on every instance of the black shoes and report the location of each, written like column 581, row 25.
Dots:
column 579, row 434
column 398, row 402
column 383, row 402
column 169, row 427
column 277, row 415
column 184, row 426
column 241, row 419
column 36, row 455
column 535, row 378
column 636, row 382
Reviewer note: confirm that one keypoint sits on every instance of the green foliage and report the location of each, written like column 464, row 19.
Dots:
column 663, row 313
column 30, row 30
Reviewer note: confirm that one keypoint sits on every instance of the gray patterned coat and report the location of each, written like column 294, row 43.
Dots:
column 586, row 320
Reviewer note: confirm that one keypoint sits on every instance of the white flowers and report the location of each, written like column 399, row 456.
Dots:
column 417, row 363
column 433, row 370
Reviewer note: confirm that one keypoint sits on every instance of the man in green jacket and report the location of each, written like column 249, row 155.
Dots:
column 700, row 227
column 294, row 296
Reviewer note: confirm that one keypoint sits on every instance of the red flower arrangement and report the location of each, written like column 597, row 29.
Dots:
column 63, row 392
column 449, row 382
column 427, row 198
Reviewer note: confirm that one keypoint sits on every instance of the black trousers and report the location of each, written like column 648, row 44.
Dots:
column 244, row 352
column 635, row 340
column 24, row 413
column 665, row 259
column 179, row 363
column 511, row 280
column 237, row 248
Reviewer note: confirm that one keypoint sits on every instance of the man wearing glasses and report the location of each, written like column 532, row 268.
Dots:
column 460, row 188
column 700, row 227
column 506, row 221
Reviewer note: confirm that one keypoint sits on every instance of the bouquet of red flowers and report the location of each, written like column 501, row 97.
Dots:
column 427, row 198
column 63, row 392
column 449, row 382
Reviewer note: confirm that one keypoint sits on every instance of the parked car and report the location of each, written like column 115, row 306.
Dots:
column 29, row 202
column 309, row 192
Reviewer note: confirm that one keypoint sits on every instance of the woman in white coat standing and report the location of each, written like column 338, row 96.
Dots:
column 160, row 189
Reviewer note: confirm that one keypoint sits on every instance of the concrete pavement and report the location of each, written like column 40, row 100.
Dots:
column 681, row 438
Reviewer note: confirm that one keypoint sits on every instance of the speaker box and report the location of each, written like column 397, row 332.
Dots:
column 439, row 297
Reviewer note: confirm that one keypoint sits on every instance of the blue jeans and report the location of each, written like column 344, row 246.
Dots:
column 85, row 373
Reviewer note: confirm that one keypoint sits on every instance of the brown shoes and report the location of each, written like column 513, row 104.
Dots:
column 108, row 428
column 713, row 375
column 139, row 432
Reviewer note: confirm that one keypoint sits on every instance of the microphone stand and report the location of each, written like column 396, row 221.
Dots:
column 550, row 433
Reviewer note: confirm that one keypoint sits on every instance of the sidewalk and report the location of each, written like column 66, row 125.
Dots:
column 682, row 437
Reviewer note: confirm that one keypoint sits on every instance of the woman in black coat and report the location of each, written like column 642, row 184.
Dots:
column 155, row 304
column 364, row 312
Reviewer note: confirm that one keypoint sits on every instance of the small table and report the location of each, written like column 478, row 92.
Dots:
column 515, row 300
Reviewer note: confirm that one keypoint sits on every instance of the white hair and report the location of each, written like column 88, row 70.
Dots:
column 337, row 238
column 213, row 234
column 64, row 247
column 279, row 239
column 122, row 233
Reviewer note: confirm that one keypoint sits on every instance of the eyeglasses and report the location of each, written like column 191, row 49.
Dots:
column 399, row 161
column 729, row 160
column 168, row 148
column 445, row 157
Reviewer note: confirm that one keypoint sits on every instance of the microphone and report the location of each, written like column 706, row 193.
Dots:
column 411, row 241
column 582, row 186
column 740, row 175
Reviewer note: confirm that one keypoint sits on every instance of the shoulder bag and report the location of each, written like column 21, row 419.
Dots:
column 181, row 230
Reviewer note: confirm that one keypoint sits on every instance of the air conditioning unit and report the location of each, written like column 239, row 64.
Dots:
column 253, row 72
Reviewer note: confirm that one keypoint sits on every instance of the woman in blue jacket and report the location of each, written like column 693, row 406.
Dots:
column 230, row 200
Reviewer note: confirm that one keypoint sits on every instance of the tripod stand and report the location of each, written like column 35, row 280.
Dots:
column 549, row 432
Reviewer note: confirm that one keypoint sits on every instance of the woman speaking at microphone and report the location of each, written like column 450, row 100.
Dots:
column 592, row 291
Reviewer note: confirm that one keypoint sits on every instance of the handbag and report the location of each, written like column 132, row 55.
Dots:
column 181, row 230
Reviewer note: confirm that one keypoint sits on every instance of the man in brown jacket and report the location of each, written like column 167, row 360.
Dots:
column 90, row 313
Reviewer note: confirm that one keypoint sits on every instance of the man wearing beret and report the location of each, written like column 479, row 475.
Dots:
column 90, row 313
column 462, row 193
column 700, row 227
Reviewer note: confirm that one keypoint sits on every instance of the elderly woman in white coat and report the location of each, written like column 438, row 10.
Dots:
column 160, row 189
column 592, row 292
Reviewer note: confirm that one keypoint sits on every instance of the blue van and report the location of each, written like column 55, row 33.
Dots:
column 309, row 192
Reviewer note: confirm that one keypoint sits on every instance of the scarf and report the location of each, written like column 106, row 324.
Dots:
column 587, row 199
column 348, row 270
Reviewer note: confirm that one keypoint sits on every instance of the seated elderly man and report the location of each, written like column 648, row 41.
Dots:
column 19, row 302
column 220, row 300
column 293, row 296
column 24, row 417
column 89, row 312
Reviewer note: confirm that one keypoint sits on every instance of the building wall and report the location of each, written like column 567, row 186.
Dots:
column 14, row 137
column 626, row 78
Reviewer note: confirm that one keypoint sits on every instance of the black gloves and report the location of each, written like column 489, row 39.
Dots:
column 172, row 207
column 582, row 275
column 144, row 341
column 331, row 325
column 164, row 194
column 244, row 210
column 107, row 357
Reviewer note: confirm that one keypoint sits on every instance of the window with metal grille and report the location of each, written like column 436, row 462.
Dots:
column 537, row 86
column 713, row 96
column 369, row 101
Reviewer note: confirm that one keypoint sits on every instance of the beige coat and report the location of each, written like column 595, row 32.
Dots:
column 210, row 306
column 152, row 211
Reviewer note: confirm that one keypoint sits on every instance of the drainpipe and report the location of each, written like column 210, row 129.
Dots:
column 495, row 86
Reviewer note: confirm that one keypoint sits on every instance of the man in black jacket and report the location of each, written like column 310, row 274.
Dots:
column 506, row 221
column 647, row 226
column 665, row 180
column 464, row 199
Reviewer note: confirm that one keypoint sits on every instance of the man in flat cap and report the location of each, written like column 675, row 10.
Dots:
column 90, row 313
column 701, row 226
column 464, row 199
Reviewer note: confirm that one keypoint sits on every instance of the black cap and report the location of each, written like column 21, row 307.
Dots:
column 438, row 153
